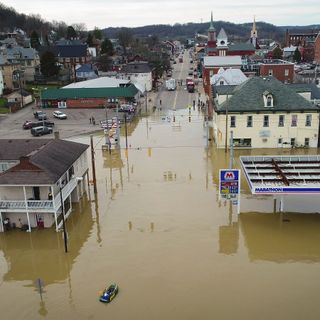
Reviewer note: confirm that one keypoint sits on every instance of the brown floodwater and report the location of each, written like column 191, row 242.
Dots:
column 158, row 229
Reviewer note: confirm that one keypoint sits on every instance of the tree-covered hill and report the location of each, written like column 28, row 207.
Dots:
column 11, row 19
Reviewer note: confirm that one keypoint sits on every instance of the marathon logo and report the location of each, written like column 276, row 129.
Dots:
column 229, row 175
column 269, row 190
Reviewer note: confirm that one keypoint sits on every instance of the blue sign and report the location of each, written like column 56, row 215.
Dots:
column 229, row 181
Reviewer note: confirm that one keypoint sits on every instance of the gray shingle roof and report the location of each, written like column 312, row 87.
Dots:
column 137, row 67
column 306, row 87
column 48, row 160
column 223, row 90
column 248, row 97
column 242, row 47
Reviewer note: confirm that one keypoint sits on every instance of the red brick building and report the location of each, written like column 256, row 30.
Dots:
column 281, row 70
column 317, row 49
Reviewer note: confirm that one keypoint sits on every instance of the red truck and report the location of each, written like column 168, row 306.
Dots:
column 190, row 85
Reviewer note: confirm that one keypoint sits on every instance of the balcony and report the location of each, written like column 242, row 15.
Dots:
column 30, row 205
column 39, row 205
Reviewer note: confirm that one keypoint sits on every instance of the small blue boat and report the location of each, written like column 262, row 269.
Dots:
column 109, row 293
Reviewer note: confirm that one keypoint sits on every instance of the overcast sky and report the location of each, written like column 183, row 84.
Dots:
column 132, row 13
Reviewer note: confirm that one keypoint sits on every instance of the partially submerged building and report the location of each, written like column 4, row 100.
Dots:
column 37, row 176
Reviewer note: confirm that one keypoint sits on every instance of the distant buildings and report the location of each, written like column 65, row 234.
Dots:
column 306, row 41
column 139, row 73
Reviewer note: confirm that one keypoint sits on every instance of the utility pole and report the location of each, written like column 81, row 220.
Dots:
column 20, row 86
column 63, row 221
column 231, row 149
column 125, row 128
column 93, row 165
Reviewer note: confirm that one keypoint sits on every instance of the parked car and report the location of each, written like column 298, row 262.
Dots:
column 126, row 108
column 40, row 115
column 59, row 115
column 31, row 124
column 40, row 131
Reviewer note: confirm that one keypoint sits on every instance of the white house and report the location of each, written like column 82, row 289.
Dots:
column 22, row 96
column 138, row 73
column 264, row 113
column 228, row 77
column 35, row 175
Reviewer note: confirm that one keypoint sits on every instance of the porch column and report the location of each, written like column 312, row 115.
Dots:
column 1, row 223
column 27, row 211
column 54, row 209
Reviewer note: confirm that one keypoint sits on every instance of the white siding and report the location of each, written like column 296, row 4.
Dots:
column 267, row 137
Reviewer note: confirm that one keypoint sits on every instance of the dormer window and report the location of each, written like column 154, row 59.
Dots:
column 268, row 99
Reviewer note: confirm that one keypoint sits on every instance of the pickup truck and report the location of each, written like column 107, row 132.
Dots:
column 40, row 115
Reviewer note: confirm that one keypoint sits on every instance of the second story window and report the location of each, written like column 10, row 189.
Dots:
column 294, row 120
column 249, row 121
column 233, row 121
column 281, row 120
column 266, row 121
column 308, row 120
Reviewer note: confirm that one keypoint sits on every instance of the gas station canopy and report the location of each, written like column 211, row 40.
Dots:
column 282, row 174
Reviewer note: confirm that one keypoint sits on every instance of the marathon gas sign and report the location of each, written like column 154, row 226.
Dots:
column 282, row 190
column 229, row 181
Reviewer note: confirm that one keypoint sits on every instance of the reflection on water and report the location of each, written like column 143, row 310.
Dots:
column 281, row 237
column 40, row 254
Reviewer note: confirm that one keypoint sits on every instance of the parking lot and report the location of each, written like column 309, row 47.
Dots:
column 78, row 121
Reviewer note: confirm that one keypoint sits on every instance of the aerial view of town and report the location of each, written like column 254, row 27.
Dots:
column 159, row 160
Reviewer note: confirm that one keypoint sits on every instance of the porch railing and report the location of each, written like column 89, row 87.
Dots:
column 39, row 205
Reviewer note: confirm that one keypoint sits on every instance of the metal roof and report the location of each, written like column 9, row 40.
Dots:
column 217, row 61
column 282, row 174
column 83, row 93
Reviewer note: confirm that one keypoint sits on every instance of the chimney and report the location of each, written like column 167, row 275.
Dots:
column 24, row 160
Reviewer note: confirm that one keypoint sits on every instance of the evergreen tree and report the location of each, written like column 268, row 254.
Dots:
column 97, row 33
column 71, row 33
column 34, row 40
column 48, row 64
column 277, row 53
column 107, row 47
column 297, row 56
column 90, row 40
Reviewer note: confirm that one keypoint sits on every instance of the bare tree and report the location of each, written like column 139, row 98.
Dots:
column 125, row 38
column 80, row 28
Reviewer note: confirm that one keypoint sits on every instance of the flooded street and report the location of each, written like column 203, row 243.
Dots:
column 157, row 228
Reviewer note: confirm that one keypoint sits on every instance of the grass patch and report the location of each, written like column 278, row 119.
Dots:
column 4, row 110
column 3, row 102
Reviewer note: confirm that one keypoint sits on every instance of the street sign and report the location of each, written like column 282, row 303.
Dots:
column 229, row 182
